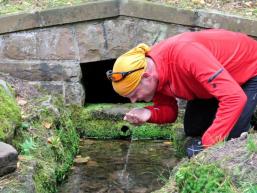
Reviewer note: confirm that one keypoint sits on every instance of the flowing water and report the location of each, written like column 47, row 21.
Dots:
column 121, row 167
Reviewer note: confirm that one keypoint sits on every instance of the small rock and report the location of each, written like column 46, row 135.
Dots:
column 243, row 136
column 8, row 159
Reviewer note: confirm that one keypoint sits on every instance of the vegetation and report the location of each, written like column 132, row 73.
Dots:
column 51, row 140
column 246, row 8
column 10, row 115
column 251, row 145
column 15, row 6
column 194, row 177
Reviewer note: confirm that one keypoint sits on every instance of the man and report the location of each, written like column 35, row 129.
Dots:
column 214, row 70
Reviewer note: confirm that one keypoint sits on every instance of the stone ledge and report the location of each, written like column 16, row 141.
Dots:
column 197, row 18
column 58, row 16
column 132, row 8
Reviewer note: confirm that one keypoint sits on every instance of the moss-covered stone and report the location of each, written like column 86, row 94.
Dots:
column 51, row 142
column 10, row 115
column 106, row 121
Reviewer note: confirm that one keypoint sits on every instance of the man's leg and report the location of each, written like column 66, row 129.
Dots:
column 243, row 123
column 199, row 116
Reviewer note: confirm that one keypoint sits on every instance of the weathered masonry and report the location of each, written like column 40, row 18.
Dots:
column 65, row 50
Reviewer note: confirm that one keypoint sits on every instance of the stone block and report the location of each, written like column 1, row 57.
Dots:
column 74, row 93
column 91, row 41
column 120, row 36
column 43, row 70
column 47, row 44
column 50, row 87
column 56, row 43
column 150, row 32
column 19, row 46
column 8, row 159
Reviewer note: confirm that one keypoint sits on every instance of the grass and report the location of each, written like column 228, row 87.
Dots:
column 15, row 6
column 251, row 144
column 246, row 8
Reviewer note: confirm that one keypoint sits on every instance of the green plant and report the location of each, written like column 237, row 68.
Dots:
column 55, row 142
column 251, row 145
column 28, row 146
column 195, row 177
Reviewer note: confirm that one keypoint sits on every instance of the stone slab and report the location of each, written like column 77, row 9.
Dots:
column 51, row 17
column 199, row 18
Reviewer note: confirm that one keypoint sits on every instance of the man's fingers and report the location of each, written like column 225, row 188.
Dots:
column 132, row 118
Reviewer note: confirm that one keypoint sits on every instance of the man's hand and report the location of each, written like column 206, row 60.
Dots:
column 138, row 116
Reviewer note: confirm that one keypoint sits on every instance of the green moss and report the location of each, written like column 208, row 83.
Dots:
column 104, row 121
column 152, row 131
column 10, row 115
column 52, row 160
column 195, row 177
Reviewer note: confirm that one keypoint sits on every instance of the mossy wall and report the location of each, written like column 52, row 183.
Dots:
column 10, row 115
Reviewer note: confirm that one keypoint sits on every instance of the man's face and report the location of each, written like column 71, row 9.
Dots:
column 145, row 90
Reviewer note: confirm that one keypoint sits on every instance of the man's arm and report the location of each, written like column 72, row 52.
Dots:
column 164, row 110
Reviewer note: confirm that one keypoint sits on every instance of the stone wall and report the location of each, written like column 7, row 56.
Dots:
column 49, row 55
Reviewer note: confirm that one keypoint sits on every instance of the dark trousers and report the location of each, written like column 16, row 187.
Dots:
column 200, row 113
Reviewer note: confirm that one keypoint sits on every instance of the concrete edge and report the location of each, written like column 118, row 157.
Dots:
column 131, row 8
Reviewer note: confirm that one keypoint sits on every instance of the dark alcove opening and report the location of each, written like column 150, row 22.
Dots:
column 97, row 87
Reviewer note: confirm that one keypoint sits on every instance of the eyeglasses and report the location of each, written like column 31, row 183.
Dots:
column 118, row 76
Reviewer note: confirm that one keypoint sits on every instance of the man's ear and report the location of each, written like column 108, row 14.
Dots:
column 145, row 75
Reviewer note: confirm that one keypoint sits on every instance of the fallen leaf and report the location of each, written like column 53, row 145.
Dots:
column 21, row 158
column 47, row 125
column 167, row 142
column 81, row 160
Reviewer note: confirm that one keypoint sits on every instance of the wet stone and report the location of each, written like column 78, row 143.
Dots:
column 8, row 159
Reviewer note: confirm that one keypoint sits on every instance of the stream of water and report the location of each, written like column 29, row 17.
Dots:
column 117, row 166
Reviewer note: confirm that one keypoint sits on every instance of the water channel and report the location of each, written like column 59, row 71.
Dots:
column 120, row 166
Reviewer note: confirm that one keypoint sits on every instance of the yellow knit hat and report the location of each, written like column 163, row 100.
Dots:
column 131, row 60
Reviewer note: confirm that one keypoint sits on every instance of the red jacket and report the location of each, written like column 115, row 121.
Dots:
column 202, row 65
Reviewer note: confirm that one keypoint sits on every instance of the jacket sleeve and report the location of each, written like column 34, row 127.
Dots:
column 164, row 110
column 200, row 63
